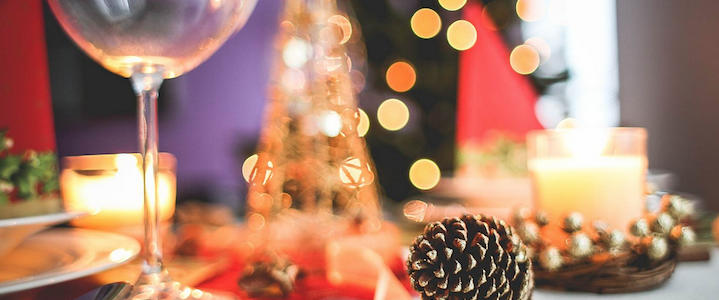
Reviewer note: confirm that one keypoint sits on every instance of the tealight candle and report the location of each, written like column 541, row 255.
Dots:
column 599, row 173
column 109, row 187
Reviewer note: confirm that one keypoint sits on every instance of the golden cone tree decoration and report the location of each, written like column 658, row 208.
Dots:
column 312, row 159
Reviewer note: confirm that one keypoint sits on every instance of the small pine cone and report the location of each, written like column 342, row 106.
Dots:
column 663, row 223
column 580, row 246
column 551, row 258
column 529, row 232
column 640, row 228
column 472, row 257
column 677, row 206
column 613, row 239
column 682, row 235
column 656, row 247
column 541, row 218
column 573, row 222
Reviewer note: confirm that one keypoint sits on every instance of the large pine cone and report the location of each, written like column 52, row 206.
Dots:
column 472, row 257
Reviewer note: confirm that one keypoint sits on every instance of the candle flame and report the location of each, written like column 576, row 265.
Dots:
column 582, row 141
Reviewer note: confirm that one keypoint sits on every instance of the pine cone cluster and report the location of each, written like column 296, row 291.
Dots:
column 654, row 237
column 472, row 257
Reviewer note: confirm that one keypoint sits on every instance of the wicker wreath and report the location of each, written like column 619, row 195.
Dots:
column 603, row 260
column 614, row 275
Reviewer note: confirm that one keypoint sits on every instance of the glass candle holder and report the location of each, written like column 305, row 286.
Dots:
column 600, row 173
column 109, row 187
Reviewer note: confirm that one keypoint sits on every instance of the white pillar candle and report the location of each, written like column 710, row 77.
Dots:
column 598, row 173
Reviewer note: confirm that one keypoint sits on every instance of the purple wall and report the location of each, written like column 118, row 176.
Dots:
column 220, row 109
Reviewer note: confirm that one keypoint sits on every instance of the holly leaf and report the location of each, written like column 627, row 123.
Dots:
column 25, row 183
column 51, row 185
column 9, row 165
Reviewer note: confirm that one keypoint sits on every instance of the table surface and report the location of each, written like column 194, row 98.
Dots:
column 691, row 280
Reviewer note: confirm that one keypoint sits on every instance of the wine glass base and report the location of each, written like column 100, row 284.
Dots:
column 160, row 286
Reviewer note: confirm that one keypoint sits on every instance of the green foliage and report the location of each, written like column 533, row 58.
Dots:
column 28, row 175
column 502, row 156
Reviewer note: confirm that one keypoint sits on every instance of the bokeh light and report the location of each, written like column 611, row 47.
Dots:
column 344, row 24
column 415, row 210
column 260, row 201
column 542, row 48
column 531, row 10
column 358, row 81
column 452, row 5
column 425, row 23
column 296, row 52
column 363, row 126
column 293, row 79
column 285, row 200
column 350, row 121
column 401, row 76
column 424, row 174
column 255, row 221
column 392, row 114
column 524, row 59
column 461, row 35
column 355, row 173
column 330, row 123
column 287, row 27
column 250, row 170
column 248, row 165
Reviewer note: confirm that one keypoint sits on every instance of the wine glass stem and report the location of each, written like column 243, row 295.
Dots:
column 146, row 86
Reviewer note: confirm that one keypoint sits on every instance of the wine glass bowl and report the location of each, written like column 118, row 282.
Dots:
column 175, row 35
column 149, row 41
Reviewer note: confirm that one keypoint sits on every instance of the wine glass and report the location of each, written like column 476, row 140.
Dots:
column 149, row 41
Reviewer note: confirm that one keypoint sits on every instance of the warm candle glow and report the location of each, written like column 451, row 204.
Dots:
column 110, row 188
column 599, row 173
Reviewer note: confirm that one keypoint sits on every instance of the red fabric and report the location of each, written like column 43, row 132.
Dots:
column 309, row 287
column 313, row 286
column 25, row 107
column 491, row 96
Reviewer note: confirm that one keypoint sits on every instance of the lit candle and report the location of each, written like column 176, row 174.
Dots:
column 599, row 173
column 109, row 186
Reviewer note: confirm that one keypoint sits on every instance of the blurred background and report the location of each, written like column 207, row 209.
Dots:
column 610, row 63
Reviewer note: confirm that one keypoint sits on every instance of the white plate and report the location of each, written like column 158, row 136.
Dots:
column 55, row 218
column 14, row 231
column 63, row 254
